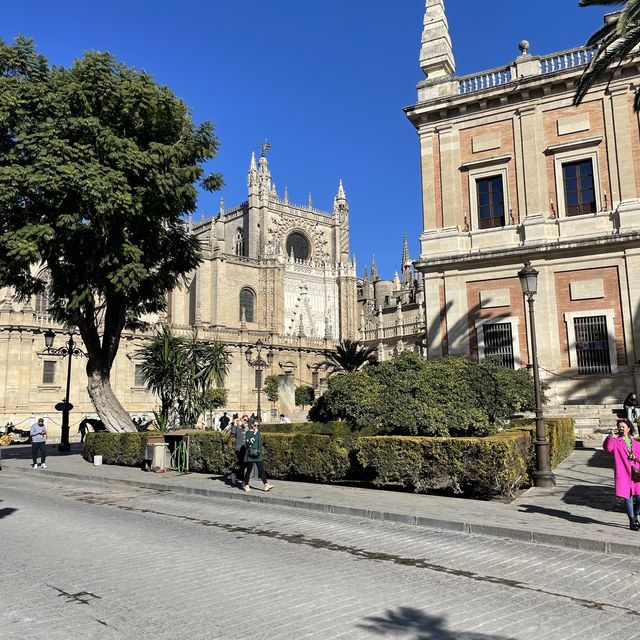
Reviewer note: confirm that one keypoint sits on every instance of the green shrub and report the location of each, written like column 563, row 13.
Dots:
column 338, row 429
column 476, row 467
column 211, row 452
column 560, row 434
column 304, row 396
column 126, row 449
column 410, row 395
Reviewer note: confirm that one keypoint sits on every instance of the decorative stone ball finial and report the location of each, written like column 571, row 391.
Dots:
column 523, row 45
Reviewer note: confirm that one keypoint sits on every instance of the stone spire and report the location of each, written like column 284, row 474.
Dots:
column 221, row 209
column 365, row 275
column 374, row 270
column 405, row 251
column 252, row 176
column 406, row 267
column 436, row 54
column 341, row 194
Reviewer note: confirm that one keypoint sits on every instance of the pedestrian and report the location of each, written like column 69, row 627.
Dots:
column 224, row 421
column 238, row 430
column 254, row 454
column 631, row 407
column 38, row 434
column 626, row 468
column 284, row 419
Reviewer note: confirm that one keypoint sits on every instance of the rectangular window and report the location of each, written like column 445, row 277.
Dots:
column 592, row 345
column 490, row 197
column 48, row 372
column 138, row 377
column 579, row 191
column 498, row 341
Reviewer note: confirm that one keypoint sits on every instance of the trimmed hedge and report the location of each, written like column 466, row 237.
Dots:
column 560, row 434
column 116, row 448
column 477, row 467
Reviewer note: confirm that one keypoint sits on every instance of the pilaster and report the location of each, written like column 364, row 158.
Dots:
column 535, row 178
column 450, row 173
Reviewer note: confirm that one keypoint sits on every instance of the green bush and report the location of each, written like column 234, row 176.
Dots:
column 476, row 467
column 410, row 395
column 126, row 449
column 211, row 452
column 560, row 434
column 338, row 429
column 304, row 396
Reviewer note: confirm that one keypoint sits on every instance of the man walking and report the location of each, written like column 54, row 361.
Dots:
column 238, row 431
column 38, row 439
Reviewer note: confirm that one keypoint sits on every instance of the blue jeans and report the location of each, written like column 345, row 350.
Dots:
column 632, row 505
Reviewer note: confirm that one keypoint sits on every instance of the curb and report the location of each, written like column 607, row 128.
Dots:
column 460, row 526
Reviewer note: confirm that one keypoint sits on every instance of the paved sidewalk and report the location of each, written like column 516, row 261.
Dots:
column 581, row 512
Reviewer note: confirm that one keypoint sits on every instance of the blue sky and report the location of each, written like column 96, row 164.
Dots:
column 325, row 82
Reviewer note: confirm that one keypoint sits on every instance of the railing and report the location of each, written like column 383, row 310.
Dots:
column 566, row 60
column 485, row 80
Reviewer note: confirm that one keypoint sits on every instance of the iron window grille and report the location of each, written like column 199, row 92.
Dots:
column 592, row 345
column 498, row 342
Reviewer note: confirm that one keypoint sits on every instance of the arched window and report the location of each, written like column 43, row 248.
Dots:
column 299, row 245
column 239, row 243
column 42, row 301
column 247, row 303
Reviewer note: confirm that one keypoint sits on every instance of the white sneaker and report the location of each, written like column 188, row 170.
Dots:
column 43, row 466
column 34, row 466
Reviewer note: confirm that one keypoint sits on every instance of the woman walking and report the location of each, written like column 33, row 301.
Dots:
column 626, row 455
column 254, row 454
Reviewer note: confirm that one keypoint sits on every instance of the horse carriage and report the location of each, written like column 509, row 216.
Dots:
column 10, row 435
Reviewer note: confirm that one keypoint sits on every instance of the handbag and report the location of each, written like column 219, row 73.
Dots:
column 255, row 453
column 635, row 474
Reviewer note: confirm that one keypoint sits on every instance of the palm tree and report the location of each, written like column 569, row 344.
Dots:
column 183, row 372
column 615, row 41
column 350, row 355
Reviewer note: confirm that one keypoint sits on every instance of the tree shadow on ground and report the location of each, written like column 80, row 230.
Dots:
column 404, row 620
column 7, row 511
column 23, row 451
column 594, row 496
column 564, row 515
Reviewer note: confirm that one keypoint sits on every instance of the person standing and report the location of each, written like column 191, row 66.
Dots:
column 224, row 421
column 238, row 430
column 254, row 454
column 284, row 419
column 38, row 443
column 626, row 456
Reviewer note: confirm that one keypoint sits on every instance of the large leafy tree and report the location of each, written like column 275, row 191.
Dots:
column 186, row 373
column 350, row 355
column 614, row 42
column 98, row 165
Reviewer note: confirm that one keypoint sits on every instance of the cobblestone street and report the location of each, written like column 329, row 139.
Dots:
column 92, row 561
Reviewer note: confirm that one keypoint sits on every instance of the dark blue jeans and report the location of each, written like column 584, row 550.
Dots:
column 632, row 505
column 38, row 447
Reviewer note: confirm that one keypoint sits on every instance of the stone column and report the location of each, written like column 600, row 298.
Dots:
column 533, row 162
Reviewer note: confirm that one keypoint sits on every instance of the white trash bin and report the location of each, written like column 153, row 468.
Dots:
column 97, row 460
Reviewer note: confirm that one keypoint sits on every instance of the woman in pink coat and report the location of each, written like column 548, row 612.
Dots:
column 626, row 454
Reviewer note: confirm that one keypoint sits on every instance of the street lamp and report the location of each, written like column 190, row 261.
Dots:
column 544, row 476
column 259, row 364
column 70, row 349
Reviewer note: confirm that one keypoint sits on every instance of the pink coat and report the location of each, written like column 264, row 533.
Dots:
column 622, row 465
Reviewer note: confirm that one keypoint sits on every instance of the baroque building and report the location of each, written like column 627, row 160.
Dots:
column 272, row 270
column 512, row 172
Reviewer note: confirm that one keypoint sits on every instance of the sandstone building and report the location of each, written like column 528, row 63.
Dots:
column 511, row 171
column 272, row 270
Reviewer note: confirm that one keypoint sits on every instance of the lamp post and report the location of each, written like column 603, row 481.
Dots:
column 259, row 364
column 70, row 349
column 544, row 476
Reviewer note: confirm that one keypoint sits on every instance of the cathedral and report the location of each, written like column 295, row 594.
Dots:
column 273, row 271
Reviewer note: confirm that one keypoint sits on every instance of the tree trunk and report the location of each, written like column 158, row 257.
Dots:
column 111, row 412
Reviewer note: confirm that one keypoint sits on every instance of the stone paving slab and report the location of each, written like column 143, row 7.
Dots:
column 581, row 512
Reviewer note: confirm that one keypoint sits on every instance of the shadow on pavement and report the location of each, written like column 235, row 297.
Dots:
column 601, row 459
column 594, row 496
column 6, row 511
column 564, row 515
column 425, row 627
column 23, row 451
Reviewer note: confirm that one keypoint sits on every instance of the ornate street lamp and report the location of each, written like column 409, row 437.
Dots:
column 544, row 476
column 259, row 364
column 70, row 349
